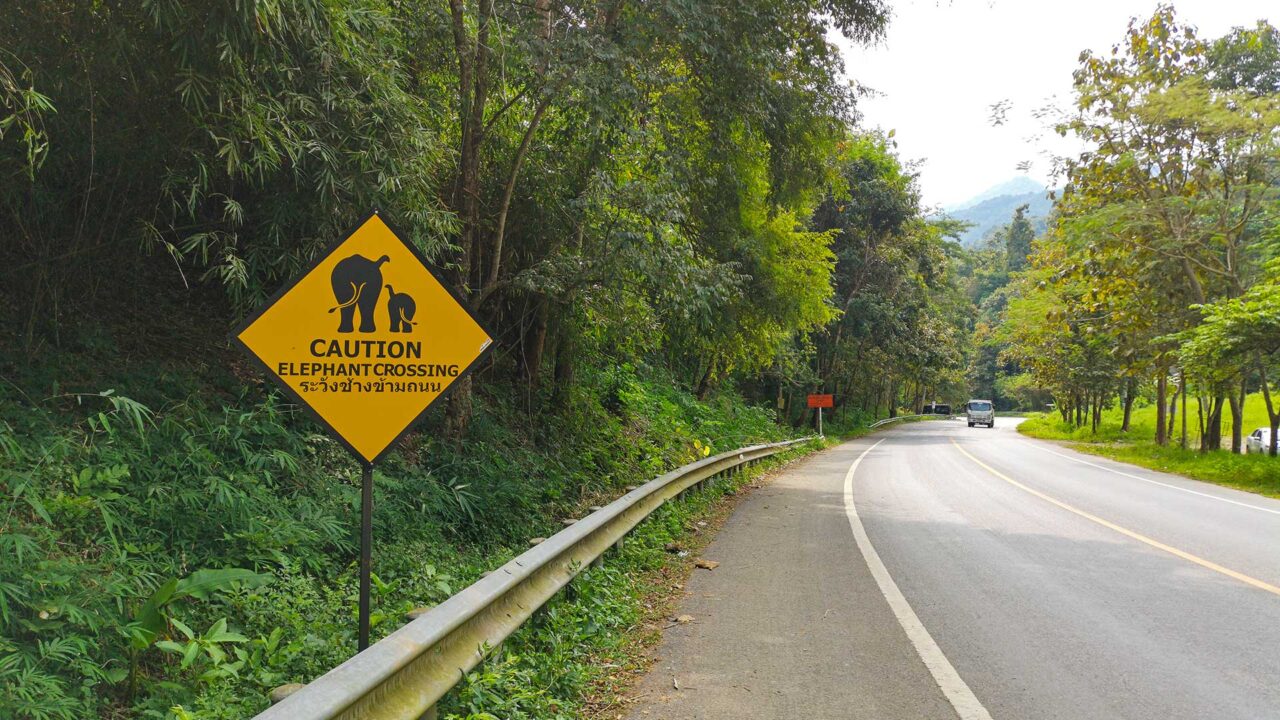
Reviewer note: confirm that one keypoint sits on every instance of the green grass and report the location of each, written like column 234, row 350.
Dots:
column 1253, row 473
column 1143, row 424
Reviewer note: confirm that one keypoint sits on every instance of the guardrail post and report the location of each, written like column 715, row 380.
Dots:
column 284, row 691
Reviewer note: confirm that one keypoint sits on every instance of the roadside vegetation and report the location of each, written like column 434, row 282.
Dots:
column 1255, row 473
column 196, row 555
column 1157, row 283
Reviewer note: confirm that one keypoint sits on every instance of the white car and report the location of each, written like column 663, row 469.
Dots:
column 1259, row 441
column 980, row 412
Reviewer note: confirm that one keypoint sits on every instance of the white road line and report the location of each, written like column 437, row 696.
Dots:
column 949, row 681
column 1038, row 446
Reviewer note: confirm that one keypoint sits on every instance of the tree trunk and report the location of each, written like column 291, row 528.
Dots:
column 458, row 410
column 473, row 92
column 704, row 384
column 1182, row 392
column 1213, row 424
column 1273, row 413
column 1130, row 389
column 534, row 342
column 499, row 234
column 566, row 348
column 1200, row 424
column 1237, row 416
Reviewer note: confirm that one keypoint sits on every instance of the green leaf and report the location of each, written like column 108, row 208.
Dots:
column 215, row 653
column 149, row 622
column 171, row 646
column 183, row 628
column 201, row 584
column 218, row 633
column 190, row 655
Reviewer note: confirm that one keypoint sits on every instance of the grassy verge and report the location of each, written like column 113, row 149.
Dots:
column 1253, row 473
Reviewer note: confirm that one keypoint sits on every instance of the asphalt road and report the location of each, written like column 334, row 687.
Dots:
column 976, row 573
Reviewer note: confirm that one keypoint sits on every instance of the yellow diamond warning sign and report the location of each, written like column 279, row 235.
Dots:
column 367, row 338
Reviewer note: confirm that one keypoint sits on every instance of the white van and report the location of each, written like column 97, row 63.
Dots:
column 980, row 412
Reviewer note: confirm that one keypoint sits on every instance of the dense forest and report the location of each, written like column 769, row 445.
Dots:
column 668, row 213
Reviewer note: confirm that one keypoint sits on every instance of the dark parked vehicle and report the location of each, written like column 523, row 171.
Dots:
column 936, row 409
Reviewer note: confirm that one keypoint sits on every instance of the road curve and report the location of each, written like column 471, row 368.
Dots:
column 976, row 573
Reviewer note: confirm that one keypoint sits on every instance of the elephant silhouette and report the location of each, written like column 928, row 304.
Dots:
column 357, row 283
column 401, row 307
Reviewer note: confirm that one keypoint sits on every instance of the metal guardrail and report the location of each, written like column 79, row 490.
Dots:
column 403, row 675
column 886, row 421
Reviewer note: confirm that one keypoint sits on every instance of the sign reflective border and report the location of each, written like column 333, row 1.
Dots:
column 367, row 338
column 821, row 401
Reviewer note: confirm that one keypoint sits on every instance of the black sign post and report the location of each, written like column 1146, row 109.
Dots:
column 366, row 551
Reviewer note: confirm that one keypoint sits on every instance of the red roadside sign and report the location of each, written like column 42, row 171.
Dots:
column 821, row 401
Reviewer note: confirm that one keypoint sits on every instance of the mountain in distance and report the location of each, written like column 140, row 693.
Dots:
column 1020, row 185
column 989, row 210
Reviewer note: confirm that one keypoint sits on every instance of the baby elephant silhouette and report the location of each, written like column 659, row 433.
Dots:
column 400, row 307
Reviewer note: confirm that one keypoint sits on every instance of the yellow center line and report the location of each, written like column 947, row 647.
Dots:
column 1261, row 585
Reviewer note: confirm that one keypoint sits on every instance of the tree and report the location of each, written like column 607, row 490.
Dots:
column 1018, row 239
column 1181, row 169
column 989, row 268
column 740, row 83
column 1246, row 59
column 1052, row 329
column 898, row 336
column 228, row 142
column 1244, row 327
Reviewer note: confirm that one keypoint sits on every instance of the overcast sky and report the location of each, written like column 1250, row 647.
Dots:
column 945, row 63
